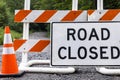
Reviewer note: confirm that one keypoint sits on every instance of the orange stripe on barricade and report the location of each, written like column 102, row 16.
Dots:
column 40, row 46
column 46, row 16
column 72, row 15
column 111, row 14
column 21, row 15
column 31, row 45
column 90, row 12
column 17, row 43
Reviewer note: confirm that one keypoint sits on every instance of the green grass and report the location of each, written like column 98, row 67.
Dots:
column 14, row 34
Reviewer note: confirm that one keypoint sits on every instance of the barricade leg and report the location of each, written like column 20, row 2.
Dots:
column 24, row 59
column 107, row 71
column 49, row 69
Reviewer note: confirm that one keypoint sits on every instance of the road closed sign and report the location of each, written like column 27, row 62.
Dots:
column 85, row 43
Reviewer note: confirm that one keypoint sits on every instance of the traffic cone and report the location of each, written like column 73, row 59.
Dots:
column 9, row 67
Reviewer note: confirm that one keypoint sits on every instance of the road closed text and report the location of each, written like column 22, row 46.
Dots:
column 93, row 52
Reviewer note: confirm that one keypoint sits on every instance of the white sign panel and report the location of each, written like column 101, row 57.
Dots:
column 85, row 43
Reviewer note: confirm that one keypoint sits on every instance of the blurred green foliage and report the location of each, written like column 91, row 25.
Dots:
column 8, row 7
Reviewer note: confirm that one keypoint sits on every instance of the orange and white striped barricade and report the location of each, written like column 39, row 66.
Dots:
column 104, row 15
column 47, row 16
column 24, row 46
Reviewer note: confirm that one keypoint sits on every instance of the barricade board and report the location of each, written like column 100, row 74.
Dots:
column 48, row 16
column 31, row 45
column 104, row 15
column 85, row 43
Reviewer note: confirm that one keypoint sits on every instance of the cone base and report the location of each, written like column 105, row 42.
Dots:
column 12, row 75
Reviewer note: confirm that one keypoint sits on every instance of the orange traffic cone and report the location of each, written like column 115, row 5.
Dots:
column 9, row 65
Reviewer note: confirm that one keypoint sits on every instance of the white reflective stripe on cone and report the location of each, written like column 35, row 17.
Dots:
column 7, row 38
column 7, row 50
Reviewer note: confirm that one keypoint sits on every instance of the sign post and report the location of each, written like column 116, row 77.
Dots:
column 85, row 43
column 25, row 31
column 99, row 4
column 74, row 4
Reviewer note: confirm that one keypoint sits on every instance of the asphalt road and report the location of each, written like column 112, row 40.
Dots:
column 82, row 72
